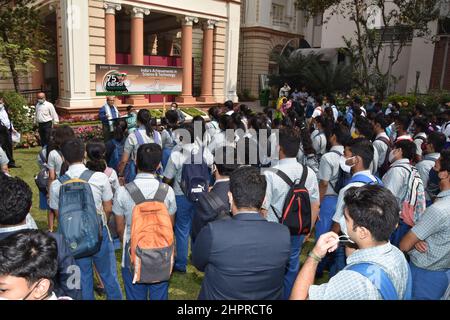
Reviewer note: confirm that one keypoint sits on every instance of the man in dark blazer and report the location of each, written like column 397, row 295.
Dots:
column 244, row 257
column 215, row 205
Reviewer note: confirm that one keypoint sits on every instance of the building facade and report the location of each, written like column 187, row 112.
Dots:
column 202, row 36
column 267, row 27
column 422, row 62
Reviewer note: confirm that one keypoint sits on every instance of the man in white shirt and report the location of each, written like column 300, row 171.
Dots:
column 6, row 130
column 45, row 117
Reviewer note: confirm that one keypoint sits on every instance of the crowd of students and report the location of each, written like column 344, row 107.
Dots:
column 244, row 191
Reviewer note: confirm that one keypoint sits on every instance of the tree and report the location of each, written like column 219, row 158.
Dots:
column 311, row 71
column 22, row 39
column 400, row 18
column 292, row 69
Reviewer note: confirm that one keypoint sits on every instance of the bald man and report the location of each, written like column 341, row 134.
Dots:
column 45, row 118
column 106, row 113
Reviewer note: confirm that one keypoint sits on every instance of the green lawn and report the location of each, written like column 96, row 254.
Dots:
column 182, row 286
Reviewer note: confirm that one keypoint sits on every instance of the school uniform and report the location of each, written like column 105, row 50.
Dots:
column 381, row 147
column 350, row 285
column 123, row 206
column 132, row 144
column 328, row 171
column 55, row 162
column 276, row 192
column 319, row 142
column 186, row 209
column 101, row 191
column 212, row 127
column 431, row 269
column 418, row 141
column 397, row 181
column 424, row 168
column 338, row 217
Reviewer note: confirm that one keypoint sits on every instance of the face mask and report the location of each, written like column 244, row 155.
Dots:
column 391, row 156
column 41, row 101
column 2, row 106
column 342, row 163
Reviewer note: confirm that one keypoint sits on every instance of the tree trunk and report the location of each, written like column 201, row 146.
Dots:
column 15, row 75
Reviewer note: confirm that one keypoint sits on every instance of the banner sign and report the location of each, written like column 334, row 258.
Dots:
column 124, row 79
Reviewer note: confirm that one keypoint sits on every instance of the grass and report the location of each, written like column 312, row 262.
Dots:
column 182, row 286
column 193, row 112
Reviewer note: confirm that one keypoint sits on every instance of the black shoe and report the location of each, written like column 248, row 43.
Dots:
column 14, row 166
column 178, row 270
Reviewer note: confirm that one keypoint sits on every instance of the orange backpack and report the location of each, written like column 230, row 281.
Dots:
column 152, row 237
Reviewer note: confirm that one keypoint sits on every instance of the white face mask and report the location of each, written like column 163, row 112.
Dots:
column 342, row 163
column 41, row 101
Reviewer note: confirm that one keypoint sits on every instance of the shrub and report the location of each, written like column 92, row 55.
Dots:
column 28, row 140
column 87, row 133
column 22, row 115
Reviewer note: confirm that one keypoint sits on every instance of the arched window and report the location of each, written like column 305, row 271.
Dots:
column 176, row 50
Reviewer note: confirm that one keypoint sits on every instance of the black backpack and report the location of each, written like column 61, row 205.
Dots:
column 296, row 213
column 343, row 177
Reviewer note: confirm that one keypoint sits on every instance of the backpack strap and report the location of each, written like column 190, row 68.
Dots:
column 386, row 141
column 337, row 152
column 156, row 137
column 365, row 179
column 64, row 178
column 304, row 176
column 135, row 193
column 378, row 277
column 86, row 175
column 42, row 157
column 139, row 138
column 214, row 201
column 161, row 193
column 285, row 177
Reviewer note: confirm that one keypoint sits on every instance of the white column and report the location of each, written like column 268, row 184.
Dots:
column 75, row 47
column 232, row 51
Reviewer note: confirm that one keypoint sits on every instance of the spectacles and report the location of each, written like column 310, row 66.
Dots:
column 345, row 238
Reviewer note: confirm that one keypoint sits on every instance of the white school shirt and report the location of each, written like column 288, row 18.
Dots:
column 101, row 188
column 178, row 157
column 46, row 112
column 381, row 148
column 277, row 189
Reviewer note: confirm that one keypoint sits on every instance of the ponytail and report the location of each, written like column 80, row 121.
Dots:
column 96, row 150
column 145, row 119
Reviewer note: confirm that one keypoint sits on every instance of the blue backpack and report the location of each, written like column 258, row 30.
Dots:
column 380, row 279
column 194, row 177
column 78, row 220
column 365, row 179
column 116, row 155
